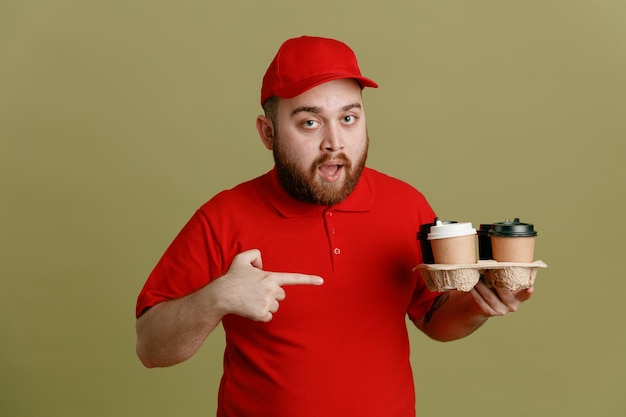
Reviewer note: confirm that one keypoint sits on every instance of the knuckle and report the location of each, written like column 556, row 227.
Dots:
column 262, row 317
column 280, row 294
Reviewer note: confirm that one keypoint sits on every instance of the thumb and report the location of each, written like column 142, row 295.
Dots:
column 252, row 257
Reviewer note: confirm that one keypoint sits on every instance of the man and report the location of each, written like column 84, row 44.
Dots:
column 308, row 267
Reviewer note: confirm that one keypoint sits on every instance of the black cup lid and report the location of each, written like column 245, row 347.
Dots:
column 513, row 228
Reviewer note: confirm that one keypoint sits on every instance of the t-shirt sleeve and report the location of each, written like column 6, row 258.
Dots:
column 422, row 301
column 423, row 298
column 191, row 261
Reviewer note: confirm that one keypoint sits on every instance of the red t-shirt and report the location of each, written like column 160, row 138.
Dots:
column 340, row 349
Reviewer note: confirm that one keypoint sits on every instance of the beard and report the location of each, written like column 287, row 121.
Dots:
column 305, row 185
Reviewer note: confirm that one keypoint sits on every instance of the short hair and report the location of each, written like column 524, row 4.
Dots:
column 270, row 106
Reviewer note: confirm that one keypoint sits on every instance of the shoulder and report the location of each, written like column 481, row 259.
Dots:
column 243, row 195
column 390, row 194
column 387, row 185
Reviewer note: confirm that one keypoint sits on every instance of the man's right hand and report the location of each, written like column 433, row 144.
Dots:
column 249, row 291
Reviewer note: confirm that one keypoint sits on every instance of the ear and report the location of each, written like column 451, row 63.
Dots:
column 266, row 131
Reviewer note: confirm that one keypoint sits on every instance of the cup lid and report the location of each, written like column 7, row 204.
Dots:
column 443, row 230
column 425, row 228
column 513, row 228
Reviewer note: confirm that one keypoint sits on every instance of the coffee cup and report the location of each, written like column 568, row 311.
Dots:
column 425, row 246
column 484, row 242
column 513, row 241
column 453, row 243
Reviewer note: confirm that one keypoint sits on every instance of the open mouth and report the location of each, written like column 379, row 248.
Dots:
column 331, row 171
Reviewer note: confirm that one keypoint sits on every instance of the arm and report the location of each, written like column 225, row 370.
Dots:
column 457, row 314
column 172, row 331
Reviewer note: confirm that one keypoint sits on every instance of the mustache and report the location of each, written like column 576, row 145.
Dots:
column 341, row 157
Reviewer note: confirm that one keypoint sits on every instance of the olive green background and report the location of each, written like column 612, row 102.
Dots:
column 119, row 118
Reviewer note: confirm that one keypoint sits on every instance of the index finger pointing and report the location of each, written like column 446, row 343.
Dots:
column 298, row 279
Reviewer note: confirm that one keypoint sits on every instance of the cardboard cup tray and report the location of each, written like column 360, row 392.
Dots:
column 463, row 277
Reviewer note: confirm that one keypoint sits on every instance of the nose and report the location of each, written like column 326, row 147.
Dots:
column 332, row 140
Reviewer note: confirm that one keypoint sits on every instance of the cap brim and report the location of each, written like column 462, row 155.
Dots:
column 304, row 85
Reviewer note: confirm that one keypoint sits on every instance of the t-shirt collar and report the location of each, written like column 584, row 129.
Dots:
column 359, row 200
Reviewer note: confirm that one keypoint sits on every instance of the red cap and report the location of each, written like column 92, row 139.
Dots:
column 305, row 62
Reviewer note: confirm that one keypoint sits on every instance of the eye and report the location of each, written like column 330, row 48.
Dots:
column 310, row 124
column 350, row 119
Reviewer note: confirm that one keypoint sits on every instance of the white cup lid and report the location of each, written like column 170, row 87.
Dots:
column 441, row 230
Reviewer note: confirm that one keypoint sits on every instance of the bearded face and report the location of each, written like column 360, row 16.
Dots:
column 306, row 184
column 319, row 141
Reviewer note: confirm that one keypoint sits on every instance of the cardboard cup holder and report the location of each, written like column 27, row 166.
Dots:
column 463, row 277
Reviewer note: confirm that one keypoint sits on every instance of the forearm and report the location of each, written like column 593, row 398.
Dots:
column 454, row 315
column 172, row 331
column 457, row 314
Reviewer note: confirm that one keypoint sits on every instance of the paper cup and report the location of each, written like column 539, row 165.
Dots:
column 453, row 243
column 484, row 242
column 513, row 249
column 425, row 246
column 513, row 241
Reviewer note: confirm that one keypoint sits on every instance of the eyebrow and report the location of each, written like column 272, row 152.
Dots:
column 316, row 110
